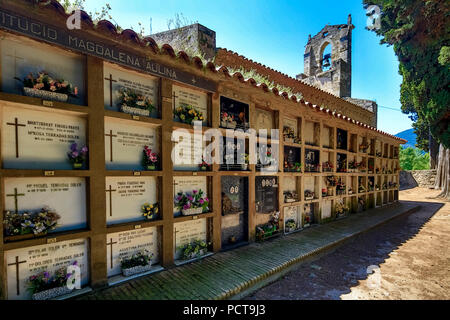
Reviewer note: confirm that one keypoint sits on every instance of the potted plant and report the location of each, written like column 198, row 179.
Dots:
column 43, row 86
column 137, row 263
column 194, row 249
column 291, row 225
column 352, row 166
column 133, row 102
column 37, row 224
column 191, row 204
column 43, row 286
column 150, row 159
column 77, row 156
column 150, row 211
column 187, row 114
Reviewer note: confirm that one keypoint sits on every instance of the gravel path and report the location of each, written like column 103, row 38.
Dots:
column 410, row 256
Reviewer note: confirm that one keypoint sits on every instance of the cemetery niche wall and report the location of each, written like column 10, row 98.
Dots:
column 86, row 147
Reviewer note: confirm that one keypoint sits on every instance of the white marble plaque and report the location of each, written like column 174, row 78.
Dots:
column 67, row 196
column 188, row 184
column 197, row 99
column 19, row 58
column 122, row 245
column 292, row 213
column 27, row 262
column 326, row 209
column 289, row 184
column 125, row 141
column 264, row 120
column 116, row 79
column 125, row 197
column 188, row 152
column 187, row 232
column 39, row 140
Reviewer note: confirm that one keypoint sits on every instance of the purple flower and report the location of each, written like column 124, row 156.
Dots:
column 190, row 198
column 73, row 146
column 186, row 206
column 201, row 201
column 195, row 191
column 75, row 263
column 206, row 200
column 75, row 154
column 46, row 274
column 84, row 150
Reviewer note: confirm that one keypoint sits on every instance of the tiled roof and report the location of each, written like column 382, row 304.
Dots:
column 129, row 36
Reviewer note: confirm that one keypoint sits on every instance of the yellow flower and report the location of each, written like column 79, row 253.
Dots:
column 151, row 206
column 156, row 210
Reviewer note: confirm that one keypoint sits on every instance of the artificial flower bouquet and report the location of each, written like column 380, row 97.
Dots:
column 150, row 211
column 137, row 263
column 43, row 86
column 192, row 203
column 150, row 159
column 194, row 249
column 38, row 223
column 133, row 102
column 77, row 156
column 187, row 114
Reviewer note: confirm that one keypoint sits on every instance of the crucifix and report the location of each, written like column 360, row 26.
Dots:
column 111, row 190
column 174, row 99
column 16, row 195
column 17, row 263
column 16, row 124
column 16, row 58
column 111, row 243
column 111, row 136
column 111, row 80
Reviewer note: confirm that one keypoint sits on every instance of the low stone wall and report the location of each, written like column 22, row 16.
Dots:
column 417, row 178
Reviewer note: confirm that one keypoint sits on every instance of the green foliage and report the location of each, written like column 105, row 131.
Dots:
column 420, row 32
column 413, row 159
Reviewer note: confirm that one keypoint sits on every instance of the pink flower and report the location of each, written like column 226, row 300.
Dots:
column 75, row 91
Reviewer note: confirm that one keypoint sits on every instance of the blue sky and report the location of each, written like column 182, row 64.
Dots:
column 274, row 33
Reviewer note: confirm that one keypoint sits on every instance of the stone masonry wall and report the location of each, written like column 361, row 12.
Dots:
column 417, row 178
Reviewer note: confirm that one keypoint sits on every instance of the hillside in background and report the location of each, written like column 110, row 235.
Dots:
column 408, row 135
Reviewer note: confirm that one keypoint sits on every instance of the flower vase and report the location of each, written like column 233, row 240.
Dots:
column 46, row 95
column 136, row 270
column 192, row 211
column 151, row 167
column 77, row 166
column 51, row 293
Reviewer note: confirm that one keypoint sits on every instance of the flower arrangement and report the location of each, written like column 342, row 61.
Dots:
column 38, row 223
column 361, row 189
column 331, row 181
column 142, row 258
column 312, row 167
column 194, row 203
column 350, row 190
column 150, row 159
column 307, row 221
column 42, row 85
column 353, row 165
column 291, row 225
column 289, row 135
column 341, row 209
column 187, row 113
column 227, row 120
column 290, row 196
column 134, row 102
column 204, row 166
column 385, row 186
column 327, row 166
column 293, row 167
column 150, row 211
column 309, row 195
column 340, row 187
column 194, row 249
column 43, row 282
column 77, row 156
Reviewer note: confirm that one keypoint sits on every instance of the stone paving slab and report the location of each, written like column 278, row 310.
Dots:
column 226, row 274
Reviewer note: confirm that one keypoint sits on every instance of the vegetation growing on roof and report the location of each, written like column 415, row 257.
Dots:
column 259, row 78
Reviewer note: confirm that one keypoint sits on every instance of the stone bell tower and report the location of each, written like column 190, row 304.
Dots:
column 328, row 59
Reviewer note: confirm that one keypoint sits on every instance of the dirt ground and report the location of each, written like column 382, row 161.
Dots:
column 409, row 256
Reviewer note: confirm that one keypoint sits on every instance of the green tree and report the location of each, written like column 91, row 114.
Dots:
column 414, row 159
column 419, row 31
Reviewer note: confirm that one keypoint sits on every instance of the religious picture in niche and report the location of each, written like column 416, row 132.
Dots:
column 188, row 232
column 37, row 206
column 189, row 105
column 125, row 141
column 22, row 264
column 292, row 162
column 264, row 121
column 125, row 197
column 122, row 246
column 292, row 219
column 130, row 92
column 190, row 194
column 266, row 197
column 312, row 163
column 41, row 71
column 233, row 114
column 39, row 140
